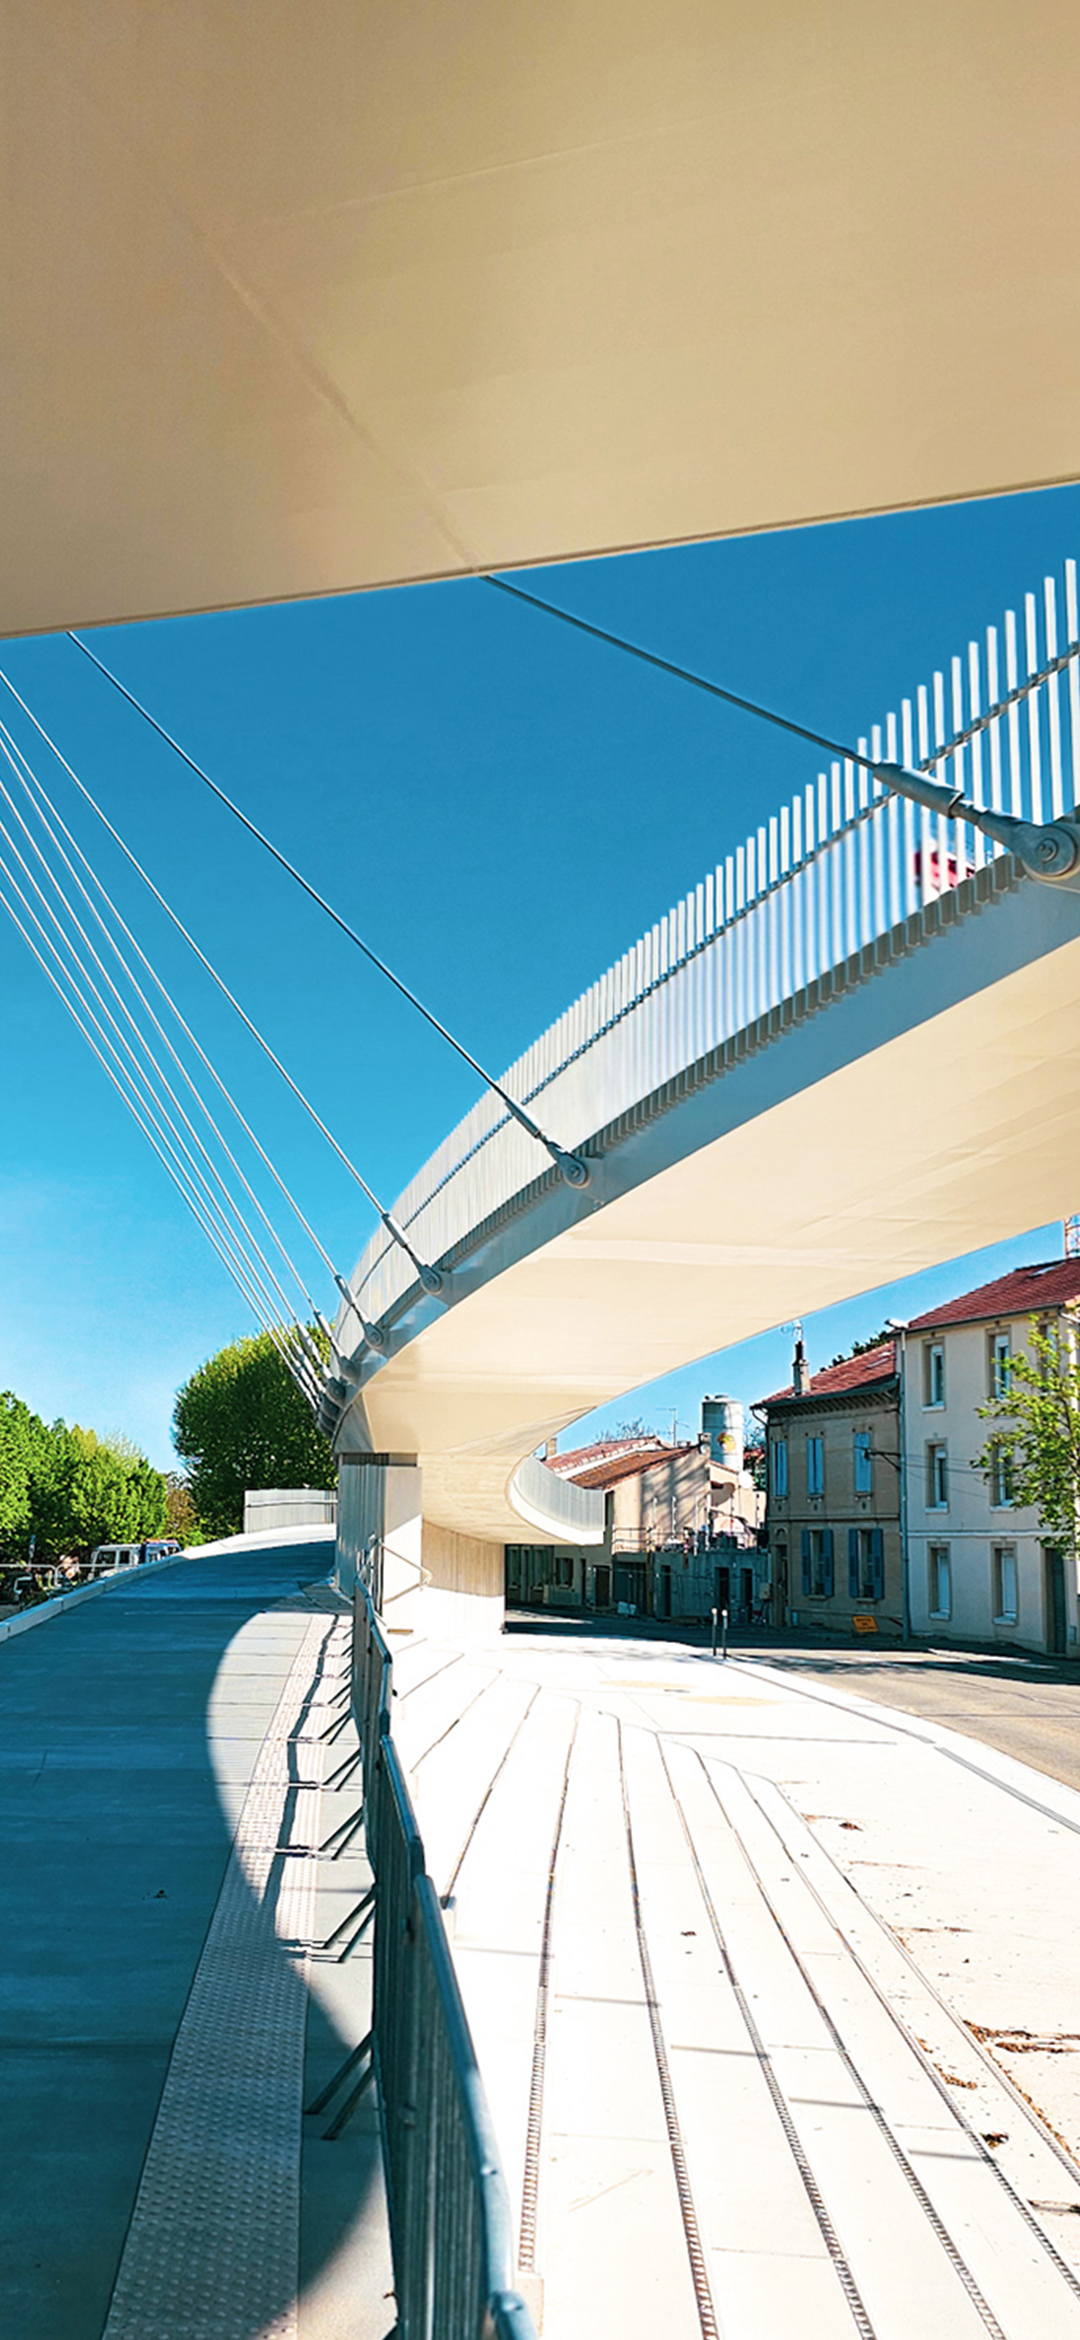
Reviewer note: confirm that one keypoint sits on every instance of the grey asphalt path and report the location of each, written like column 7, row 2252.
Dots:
column 114, row 1847
column 1026, row 1707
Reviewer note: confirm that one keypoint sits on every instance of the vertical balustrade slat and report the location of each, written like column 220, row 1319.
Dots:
column 1031, row 642
column 975, row 706
column 1053, row 704
column 1012, row 677
column 960, row 828
column 1072, row 634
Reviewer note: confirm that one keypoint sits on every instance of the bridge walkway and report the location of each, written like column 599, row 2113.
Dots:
column 743, row 1961
column 164, row 2010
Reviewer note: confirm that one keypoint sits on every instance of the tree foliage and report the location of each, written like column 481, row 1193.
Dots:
column 1038, row 1431
column 241, row 1422
column 68, row 1489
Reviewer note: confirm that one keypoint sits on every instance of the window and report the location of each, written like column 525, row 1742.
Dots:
column 817, row 1563
column 1002, row 1475
column 940, row 1580
column 937, row 1478
column 934, row 1373
column 864, row 1471
column 566, row 1570
column 779, row 1467
column 815, row 1467
column 866, row 1564
column 1000, row 1353
column 1006, row 1610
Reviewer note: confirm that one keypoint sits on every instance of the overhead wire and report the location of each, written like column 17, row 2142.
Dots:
column 125, row 1087
column 48, row 814
column 145, row 1082
column 125, row 1044
column 715, row 690
column 574, row 1170
column 429, row 1277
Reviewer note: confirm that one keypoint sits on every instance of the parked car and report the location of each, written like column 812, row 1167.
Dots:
column 106, row 1557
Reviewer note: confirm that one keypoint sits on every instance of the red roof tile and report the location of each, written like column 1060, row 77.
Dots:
column 579, row 1457
column 626, row 1466
column 852, row 1373
column 1025, row 1291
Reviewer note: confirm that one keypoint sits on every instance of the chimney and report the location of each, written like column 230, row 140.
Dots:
column 799, row 1375
column 551, row 1448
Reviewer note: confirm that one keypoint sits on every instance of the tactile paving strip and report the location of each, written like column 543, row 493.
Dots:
column 213, row 2246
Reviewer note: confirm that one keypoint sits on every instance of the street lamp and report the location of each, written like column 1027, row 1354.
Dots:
column 899, row 1326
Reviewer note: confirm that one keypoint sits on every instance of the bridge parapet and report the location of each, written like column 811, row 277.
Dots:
column 558, row 1509
column 816, row 885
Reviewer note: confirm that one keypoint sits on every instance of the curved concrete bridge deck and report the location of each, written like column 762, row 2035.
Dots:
column 161, row 2009
column 745, row 1965
column 850, row 1052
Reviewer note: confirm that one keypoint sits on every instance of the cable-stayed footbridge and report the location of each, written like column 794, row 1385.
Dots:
column 850, row 1052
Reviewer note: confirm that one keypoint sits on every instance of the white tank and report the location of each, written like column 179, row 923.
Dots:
column 722, row 1422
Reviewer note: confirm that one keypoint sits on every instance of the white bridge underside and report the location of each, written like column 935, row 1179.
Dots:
column 925, row 1110
column 302, row 300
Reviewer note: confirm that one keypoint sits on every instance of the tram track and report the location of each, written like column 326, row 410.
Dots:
column 815, row 2197
column 915, row 2046
column 884, row 2127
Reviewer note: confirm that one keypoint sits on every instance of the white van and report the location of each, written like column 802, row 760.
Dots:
column 105, row 1557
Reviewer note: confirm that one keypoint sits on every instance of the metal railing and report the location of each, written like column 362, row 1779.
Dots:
column 831, row 872
column 555, row 1506
column 450, row 2226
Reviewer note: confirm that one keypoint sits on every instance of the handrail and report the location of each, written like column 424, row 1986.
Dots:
column 815, row 883
column 451, row 2232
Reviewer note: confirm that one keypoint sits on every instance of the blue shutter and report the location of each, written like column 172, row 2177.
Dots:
column 806, row 1561
column 877, row 1562
column 853, row 1564
column 827, row 1562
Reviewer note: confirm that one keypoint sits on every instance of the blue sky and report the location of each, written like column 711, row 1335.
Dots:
column 501, row 806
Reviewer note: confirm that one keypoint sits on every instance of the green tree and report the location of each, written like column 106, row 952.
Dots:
column 1038, row 1434
column 241, row 1422
column 24, row 1456
column 70, row 1489
column 181, row 1518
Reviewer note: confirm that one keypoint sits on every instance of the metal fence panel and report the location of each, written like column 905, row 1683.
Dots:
column 450, row 2227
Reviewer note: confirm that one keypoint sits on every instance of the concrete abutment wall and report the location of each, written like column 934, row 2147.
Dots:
column 433, row 1580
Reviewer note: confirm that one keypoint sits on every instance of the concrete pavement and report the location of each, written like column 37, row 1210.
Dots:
column 751, row 1969
column 159, row 1743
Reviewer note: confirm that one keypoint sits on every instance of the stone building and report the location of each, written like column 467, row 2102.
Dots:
column 833, row 1517
column 981, row 1567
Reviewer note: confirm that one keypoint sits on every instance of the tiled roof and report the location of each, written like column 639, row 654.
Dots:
column 1025, row 1291
column 626, row 1466
column 602, row 1449
column 874, row 1365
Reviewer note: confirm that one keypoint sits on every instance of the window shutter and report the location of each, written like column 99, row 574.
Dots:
column 827, row 1562
column 877, row 1562
column 806, row 1561
column 853, row 1564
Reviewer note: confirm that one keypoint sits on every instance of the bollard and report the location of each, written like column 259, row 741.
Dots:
column 723, row 1616
column 712, row 1613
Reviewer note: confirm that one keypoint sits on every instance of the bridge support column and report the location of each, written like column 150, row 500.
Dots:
column 432, row 1581
column 379, row 1496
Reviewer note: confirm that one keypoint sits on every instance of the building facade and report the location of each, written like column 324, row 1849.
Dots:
column 833, row 1517
column 980, row 1566
column 681, row 1533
